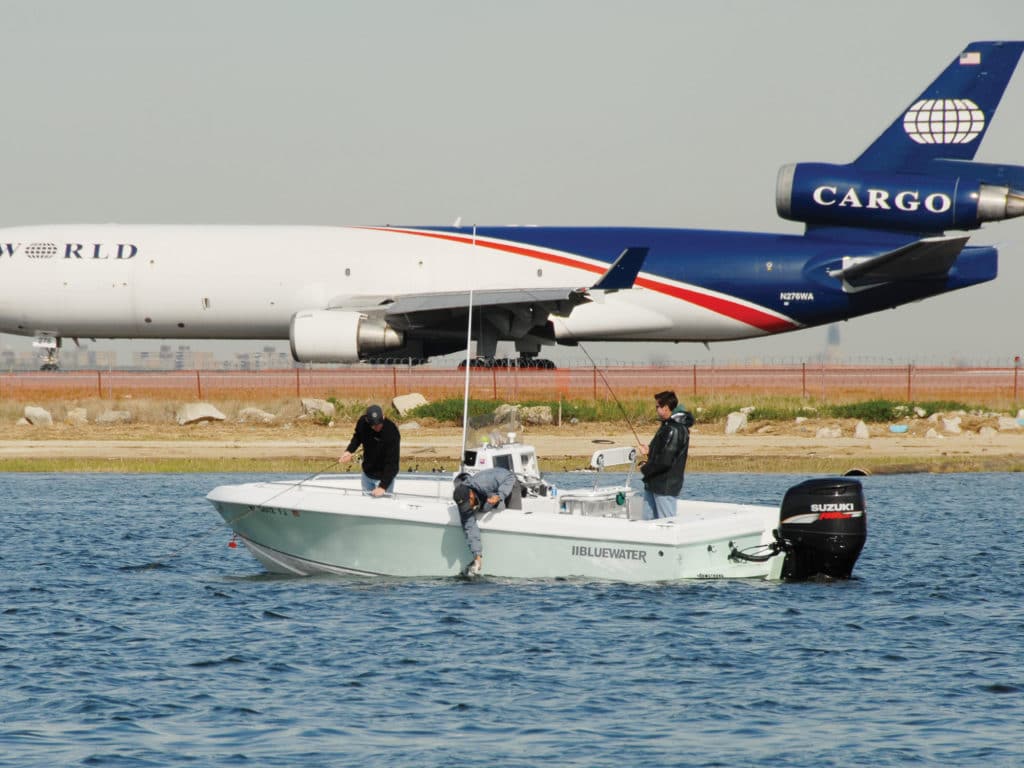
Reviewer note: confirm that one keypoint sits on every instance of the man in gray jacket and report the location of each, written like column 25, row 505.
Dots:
column 486, row 490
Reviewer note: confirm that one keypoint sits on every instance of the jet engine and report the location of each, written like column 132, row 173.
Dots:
column 845, row 196
column 327, row 336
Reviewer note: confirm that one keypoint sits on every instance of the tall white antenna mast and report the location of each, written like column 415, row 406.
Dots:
column 465, row 391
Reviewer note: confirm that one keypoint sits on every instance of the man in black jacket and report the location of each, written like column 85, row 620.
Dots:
column 666, row 457
column 381, row 442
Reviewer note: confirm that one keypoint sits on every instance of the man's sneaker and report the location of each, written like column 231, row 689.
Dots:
column 474, row 568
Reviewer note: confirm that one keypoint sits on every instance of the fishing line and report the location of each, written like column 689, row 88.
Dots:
column 159, row 563
column 608, row 386
column 600, row 372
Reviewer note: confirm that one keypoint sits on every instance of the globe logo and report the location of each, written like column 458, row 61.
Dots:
column 41, row 250
column 944, row 121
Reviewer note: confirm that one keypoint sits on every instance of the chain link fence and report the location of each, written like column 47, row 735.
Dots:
column 993, row 386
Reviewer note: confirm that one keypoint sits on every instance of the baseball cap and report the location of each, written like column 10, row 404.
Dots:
column 461, row 497
column 374, row 415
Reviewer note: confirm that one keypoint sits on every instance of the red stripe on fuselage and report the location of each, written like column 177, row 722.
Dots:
column 743, row 313
column 731, row 309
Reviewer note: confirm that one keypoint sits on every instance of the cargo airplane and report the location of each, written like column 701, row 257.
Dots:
column 889, row 228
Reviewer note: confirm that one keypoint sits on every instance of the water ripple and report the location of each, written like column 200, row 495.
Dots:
column 121, row 646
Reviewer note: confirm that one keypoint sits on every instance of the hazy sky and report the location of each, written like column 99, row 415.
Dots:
column 584, row 112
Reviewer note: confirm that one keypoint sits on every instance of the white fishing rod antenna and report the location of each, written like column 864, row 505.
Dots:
column 469, row 365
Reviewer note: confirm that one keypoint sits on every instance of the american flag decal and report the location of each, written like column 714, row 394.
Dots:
column 970, row 58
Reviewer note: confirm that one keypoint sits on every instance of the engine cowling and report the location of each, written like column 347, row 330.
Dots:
column 327, row 336
column 823, row 524
column 842, row 195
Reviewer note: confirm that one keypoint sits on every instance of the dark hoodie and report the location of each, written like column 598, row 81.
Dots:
column 380, row 450
column 666, row 456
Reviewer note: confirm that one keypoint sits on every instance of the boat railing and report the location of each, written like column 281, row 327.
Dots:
column 441, row 486
column 610, row 457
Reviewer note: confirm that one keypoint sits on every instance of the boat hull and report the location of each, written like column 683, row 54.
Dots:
column 326, row 525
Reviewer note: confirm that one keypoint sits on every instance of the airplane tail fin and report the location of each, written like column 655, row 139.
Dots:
column 949, row 119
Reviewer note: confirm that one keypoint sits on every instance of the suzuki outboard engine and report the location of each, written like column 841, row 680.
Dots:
column 822, row 528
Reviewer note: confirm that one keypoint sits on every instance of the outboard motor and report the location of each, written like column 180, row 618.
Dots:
column 822, row 528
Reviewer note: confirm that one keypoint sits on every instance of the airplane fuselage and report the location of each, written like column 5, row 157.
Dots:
column 240, row 282
column 875, row 237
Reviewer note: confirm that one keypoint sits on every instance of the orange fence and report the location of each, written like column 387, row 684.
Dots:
column 824, row 382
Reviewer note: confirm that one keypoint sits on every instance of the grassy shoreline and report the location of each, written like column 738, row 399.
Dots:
column 784, row 435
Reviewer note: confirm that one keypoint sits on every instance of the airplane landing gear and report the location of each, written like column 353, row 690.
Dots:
column 49, row 351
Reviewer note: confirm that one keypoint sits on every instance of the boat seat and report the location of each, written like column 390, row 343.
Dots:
column 515, row 499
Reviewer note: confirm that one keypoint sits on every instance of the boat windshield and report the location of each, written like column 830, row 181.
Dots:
column 528, row 461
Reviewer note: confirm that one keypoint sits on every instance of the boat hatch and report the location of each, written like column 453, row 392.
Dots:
column 612, row 502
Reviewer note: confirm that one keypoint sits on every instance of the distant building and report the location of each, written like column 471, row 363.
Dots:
column 832, row 351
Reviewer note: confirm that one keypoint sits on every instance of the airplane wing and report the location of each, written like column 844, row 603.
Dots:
column 559, row 301
column 405, row 310
column 926, row 259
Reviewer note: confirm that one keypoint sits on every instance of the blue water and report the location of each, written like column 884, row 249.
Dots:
column 205, row 660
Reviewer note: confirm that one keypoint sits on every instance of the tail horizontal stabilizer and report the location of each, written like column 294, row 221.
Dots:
column 927, row 259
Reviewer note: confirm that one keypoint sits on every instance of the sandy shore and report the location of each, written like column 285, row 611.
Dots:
column 219, row 446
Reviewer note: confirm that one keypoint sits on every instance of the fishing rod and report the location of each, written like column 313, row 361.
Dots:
column 160, row 562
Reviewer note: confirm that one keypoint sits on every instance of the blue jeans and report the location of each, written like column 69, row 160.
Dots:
column 657, row 505
column 369, row 484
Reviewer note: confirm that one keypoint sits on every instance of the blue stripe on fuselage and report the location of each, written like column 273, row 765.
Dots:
column 778, row 272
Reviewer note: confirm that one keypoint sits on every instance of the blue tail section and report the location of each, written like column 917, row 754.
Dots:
column 949, row 119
